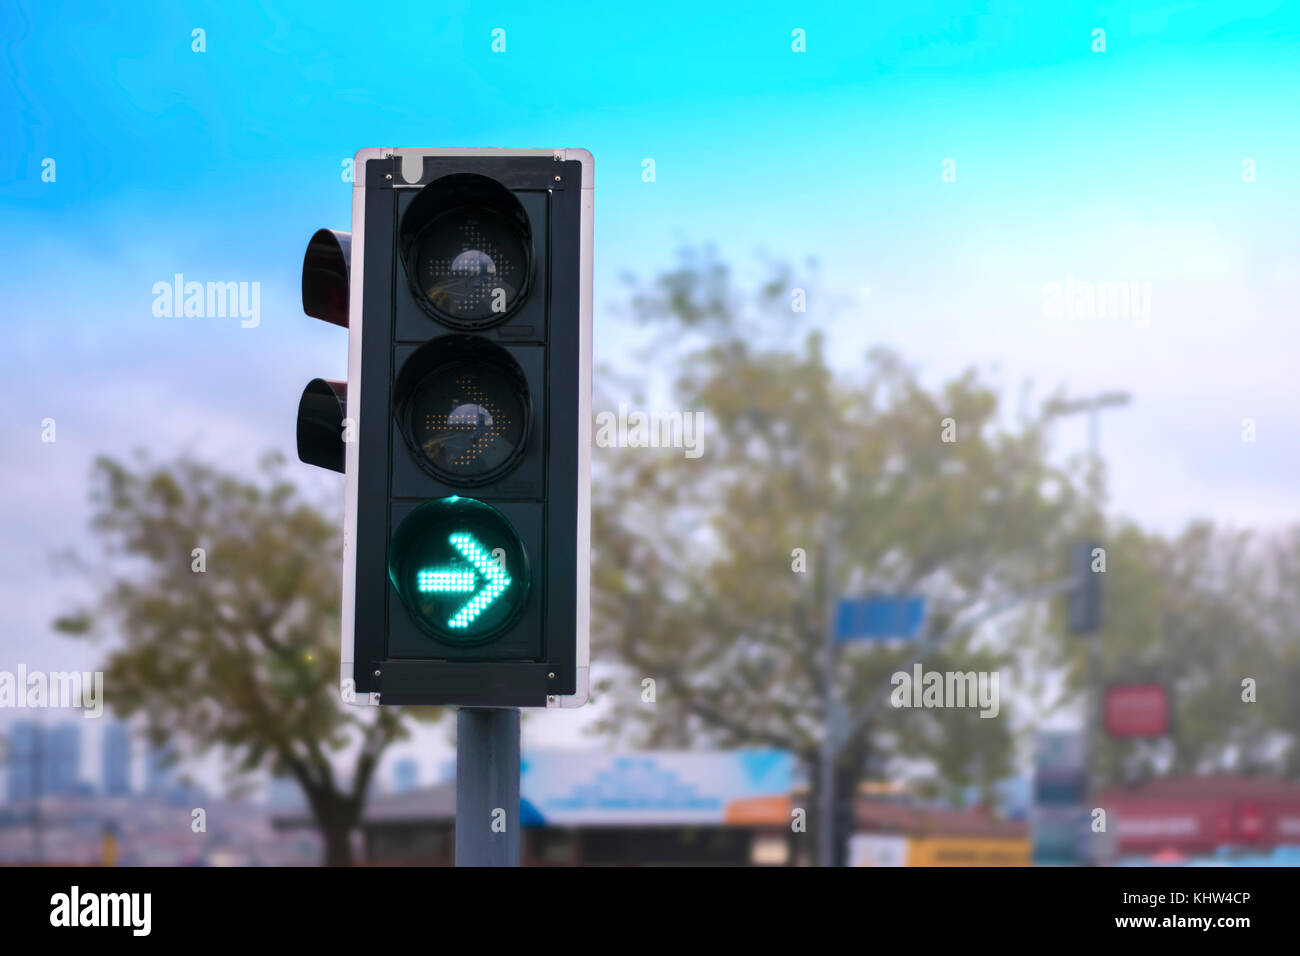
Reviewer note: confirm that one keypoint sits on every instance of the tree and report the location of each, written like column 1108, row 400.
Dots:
column 1277, row 589
column 698, row 583
column 233, row 647
column 1201, row 612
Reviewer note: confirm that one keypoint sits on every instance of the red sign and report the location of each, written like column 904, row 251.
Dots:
column 1136, row 710
column 1198, row 826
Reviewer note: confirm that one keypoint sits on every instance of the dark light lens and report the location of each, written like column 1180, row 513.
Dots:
column 467, row 422
column 472, row 264
column 460, row 569
column 464, row 409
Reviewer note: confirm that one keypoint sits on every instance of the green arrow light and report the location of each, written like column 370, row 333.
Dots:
column 427, row 580
column 448, row 562
column 444, row 580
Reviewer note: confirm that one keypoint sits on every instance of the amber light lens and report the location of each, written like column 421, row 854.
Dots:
column 464, row 409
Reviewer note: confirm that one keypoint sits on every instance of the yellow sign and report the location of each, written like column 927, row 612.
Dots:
column 967, row 851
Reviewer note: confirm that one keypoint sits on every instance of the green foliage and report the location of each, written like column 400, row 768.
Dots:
column 1200, row 613
column 694, row 584
column 242, row 656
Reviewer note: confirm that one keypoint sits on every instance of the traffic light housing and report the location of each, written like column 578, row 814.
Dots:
column 464, row 425
column 1083, row 606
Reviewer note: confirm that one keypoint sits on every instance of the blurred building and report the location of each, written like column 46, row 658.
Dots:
column 64, row 761
column 894, row 834
column 25, row 763
column 150, row 832
column 45, row 762
column 406, row 775
column 593, row 809
column 160, row 776
column 1186, row 817
column 724, row 808
column 116, row 757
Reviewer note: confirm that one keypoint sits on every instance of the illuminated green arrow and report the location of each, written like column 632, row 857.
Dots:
column 457, row 580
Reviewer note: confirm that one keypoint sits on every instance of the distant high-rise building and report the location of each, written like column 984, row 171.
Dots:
column 406, row 775
column 117, row 760
column 26, row 761
column 160, row 776
column 63, row 760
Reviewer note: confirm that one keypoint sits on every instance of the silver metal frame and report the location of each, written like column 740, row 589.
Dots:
column 412, row 160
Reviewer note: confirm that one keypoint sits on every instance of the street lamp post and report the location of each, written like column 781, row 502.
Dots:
column 1092, row 692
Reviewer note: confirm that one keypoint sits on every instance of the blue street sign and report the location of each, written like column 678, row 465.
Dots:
column 879, row 618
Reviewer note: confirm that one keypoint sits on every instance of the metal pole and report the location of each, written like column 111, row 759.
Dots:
column 826, row 788
column 487, row 787
column 1092, row 702
column 1092, row 678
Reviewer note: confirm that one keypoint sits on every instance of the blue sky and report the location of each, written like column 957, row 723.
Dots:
column 1118, row 166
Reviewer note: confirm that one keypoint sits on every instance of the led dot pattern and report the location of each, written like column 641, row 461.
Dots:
column 496, row 580
column 459, row 567
column 426, row 581
column 472, row 265
column 474, row 422
column 467, row 417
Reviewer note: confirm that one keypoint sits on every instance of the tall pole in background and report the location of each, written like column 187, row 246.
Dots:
column 1092, row 692
column 826, row 782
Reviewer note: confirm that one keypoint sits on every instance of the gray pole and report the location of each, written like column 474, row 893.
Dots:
column 826, row 787
column 1092, row 704
column 1092, row 690
column 487, row 787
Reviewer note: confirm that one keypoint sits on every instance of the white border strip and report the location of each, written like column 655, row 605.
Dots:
column 586, row 249
column 356, row 282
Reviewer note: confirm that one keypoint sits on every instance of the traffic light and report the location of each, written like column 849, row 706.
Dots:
column 463, row 428
column 324, row 296
column 1084, row 601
